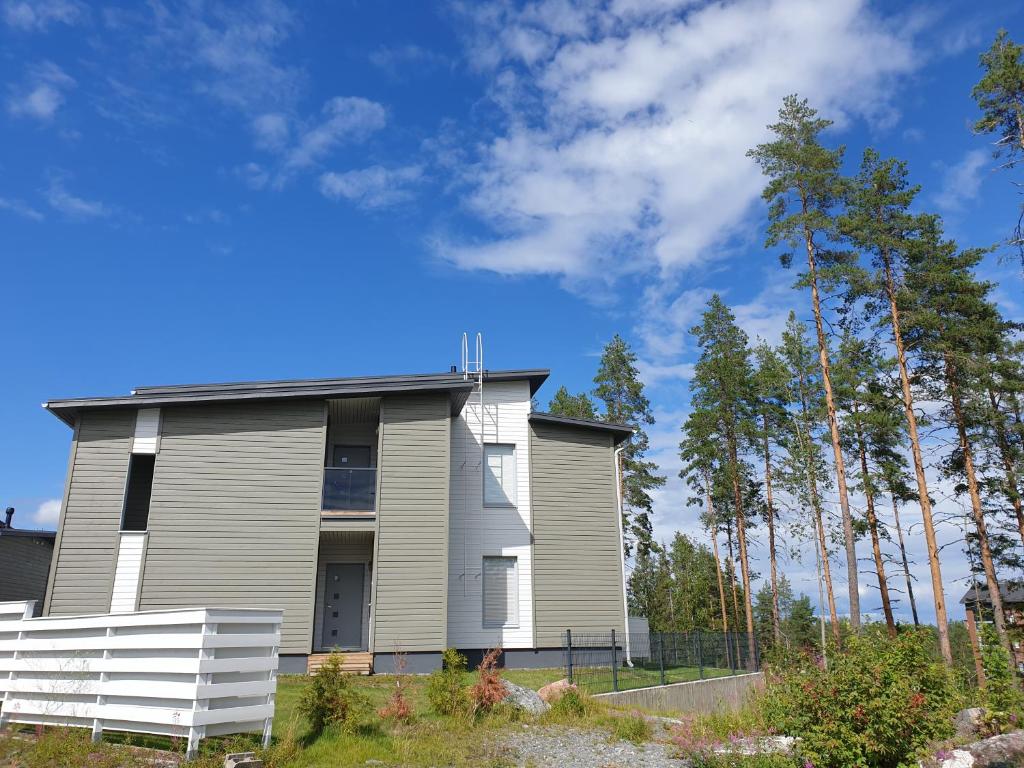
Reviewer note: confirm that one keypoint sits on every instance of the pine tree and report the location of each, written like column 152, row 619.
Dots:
column 804, row 188
column 878, row 222
column 618, row 387
column 578, row 406
column 722, row 400
column 1005, row 389
column 770, row 381
column 956, row 328
column 804, row 465
column 1000, row 95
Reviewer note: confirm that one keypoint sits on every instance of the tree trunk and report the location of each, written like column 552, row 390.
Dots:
column 721, row 591
column 903, row 554
column 735, row 594
column 776, row 626
column 833, row 426
column 953, row 388
column 741, row 535
column 876, row 549
column 941, row 618
column 1012, row 490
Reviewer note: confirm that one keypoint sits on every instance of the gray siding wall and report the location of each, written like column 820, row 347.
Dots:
column 87, row 539
column 24, row 567
column 577, row 572
column 235, row 513
column 411, row 582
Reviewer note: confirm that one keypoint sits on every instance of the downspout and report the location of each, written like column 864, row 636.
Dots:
column 622, row 548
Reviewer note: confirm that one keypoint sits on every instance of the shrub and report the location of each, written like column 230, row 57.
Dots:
column 878, row 704
column 488, row 691
column 1001, row 697
column 330, row 698
column 574, row 705
column 445, row 691
column 398, row 707
column 633, row 727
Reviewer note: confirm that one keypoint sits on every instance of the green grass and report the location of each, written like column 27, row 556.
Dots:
column 599, row 679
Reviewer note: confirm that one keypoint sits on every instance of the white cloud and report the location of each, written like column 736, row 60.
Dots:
column 20, row 208
column 73, row 206
column 624, row 146
column 271, row 130
column 253, row 175
column 373, row 187
column 39, row 14
column 344, row 119
column 401, row 59
column 47, row 514
column 962, row 182
column 42, row 94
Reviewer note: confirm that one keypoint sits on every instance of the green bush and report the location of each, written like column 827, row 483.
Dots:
column 574, row 705
column 1001, row 697
column 445, row 691
column 879, row 704
column 633, row 727
column 331, row 699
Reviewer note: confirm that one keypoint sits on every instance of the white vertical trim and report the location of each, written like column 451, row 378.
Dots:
column 127, row 572
column 147, row 430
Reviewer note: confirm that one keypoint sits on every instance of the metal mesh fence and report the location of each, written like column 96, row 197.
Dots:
column 614, row 661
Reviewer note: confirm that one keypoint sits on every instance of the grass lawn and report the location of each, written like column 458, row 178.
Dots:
column 599, row 679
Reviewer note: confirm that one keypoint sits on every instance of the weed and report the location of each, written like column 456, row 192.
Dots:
column 633, row 727
column 488, row 691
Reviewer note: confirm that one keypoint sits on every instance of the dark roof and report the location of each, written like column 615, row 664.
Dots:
column 619, row 431
column 21, row 532
column 1011, row 593
column 454, row 384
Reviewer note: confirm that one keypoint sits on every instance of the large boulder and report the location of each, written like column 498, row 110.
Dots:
column 524, row 698
column 999, row 751
column 968, row 722
column 554, row 691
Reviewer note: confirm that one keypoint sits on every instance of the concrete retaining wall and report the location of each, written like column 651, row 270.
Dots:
column 703, row 696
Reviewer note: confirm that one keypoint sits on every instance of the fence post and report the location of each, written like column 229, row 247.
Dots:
column 661, row 655
column 700, row 656
column 568, row 653
column 615, row 664
column 757, row 655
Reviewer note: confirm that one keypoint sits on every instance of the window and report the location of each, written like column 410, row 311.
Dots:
column 499, row 475
column 501, row 592
column 136, row 496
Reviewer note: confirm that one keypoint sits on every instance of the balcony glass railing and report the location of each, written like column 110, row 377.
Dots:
column 350, row 489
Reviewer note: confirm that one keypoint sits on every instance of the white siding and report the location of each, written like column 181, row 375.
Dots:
column 147, row 428
column 126, row 575
column 476, row 531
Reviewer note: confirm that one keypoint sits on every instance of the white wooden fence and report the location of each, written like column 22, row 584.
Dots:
column 191, row 673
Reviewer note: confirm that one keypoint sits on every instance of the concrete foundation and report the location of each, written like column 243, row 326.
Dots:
column 703, row 696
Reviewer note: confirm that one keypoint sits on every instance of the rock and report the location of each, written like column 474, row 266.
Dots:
column 958, row 758
column 968, row 722
column 758, row 745
column 556, row 690
column 524, row 699
column 999, row 751
column 242, row 760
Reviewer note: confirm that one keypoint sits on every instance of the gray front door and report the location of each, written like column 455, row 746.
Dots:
column 343, row 606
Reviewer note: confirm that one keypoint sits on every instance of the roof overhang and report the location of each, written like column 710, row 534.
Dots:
column 619, row 432
column 455, row 385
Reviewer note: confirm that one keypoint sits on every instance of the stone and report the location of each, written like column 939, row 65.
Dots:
column 242, row 760
column 998, row 751
column 958, row 758
column 554, row 691
column 968, row 722
column 758, row 745
column 524, row 699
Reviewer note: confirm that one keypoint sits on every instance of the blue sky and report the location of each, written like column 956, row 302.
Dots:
column 206, row 192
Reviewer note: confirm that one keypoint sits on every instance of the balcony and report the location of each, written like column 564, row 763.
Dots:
column 349, row 490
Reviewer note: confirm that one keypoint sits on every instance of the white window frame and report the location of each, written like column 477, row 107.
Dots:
column 513, row 497
column 512, row 622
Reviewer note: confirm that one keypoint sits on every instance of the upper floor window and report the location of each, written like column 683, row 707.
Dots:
column 137, row 492
column 499, row 475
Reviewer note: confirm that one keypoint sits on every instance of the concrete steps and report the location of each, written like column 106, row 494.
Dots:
column 352, row 662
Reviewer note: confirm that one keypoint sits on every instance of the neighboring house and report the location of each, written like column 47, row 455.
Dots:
column 978, row 606
column 24, row 561
column 384, row 515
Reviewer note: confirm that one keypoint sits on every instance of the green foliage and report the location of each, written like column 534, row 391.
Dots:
column 445, row 691
column 574, row 705
column 331, row 699
column 879, row 704
column 1000, row 94
column 617, row 385
column 633, row 727
column 1001, row 697
column 578, row 406
column 67, row 748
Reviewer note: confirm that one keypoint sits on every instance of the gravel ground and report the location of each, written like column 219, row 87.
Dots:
column 555, row 747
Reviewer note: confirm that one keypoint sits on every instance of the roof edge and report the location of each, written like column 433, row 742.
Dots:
column 621, row 432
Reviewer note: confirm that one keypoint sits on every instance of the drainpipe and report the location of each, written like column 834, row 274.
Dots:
column 622, row 548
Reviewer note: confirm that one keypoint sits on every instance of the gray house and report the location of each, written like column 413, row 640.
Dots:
column 24, row 560
column 385, row 514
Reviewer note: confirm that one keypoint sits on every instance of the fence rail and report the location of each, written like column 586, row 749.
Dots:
column 616, row 661
column 188, row 673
